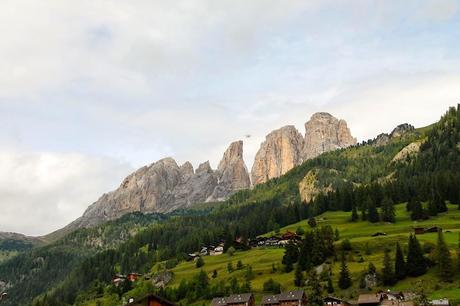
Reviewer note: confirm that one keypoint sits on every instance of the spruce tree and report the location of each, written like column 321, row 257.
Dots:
column 416, row 263
column 344, row 276
column 372, row 213
column 440, row 202
column 400, row 264
column 298, row 280
column 316, row 289
column 388, row 210
column 443, row 259
column 354, row 214
column 417, row 211
column 432, row 208
column 458, row 254
column 388, row 277
column 330, row 285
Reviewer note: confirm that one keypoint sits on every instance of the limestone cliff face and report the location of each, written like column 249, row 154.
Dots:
column 279, row 153
column 324, row 133
column 232, row 173
column 286, row 148
column 164, row 186
column 401, row 130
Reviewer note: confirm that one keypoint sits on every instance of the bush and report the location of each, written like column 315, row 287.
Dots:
column 171, row 263
column 231, row 251
column 346, row 245
column 199, row 263
column 300, row 231
column 272, row 286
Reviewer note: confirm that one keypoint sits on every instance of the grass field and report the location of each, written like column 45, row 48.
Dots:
column 359, row 234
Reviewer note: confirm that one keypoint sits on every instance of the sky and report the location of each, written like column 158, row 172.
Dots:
column 90, row 90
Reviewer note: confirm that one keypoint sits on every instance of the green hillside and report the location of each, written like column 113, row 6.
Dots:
column 262, row 259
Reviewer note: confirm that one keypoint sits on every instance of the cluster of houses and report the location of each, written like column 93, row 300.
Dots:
column 299, row 298
column 288, row 298
column 120, row 278
column 274, row 241
column 210, row 250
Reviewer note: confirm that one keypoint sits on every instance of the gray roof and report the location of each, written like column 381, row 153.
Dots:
column 291, row 295
column 270, row 299
column 370, row 298
column 218, row 302
column 239, row 298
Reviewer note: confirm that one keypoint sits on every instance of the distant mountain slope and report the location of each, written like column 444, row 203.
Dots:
column 12, row 244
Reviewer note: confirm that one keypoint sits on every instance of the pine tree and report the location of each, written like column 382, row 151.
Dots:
column 443, row 259
column 388, row 210
column 417, row 211
column 200, row 262
column 458, row 254
column 344, row 276
column 291, row 254
column 432, row 208
column 388, row 277
column 354, row 214
column 440, row 202
column 298, row 280
column 372, row 213
column 316, row 289
column 330, row 285
column 416, row 264
column 400, row 264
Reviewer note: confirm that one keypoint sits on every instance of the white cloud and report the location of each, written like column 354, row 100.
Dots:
column 41, row 192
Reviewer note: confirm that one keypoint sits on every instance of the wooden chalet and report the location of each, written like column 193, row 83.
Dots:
column 220, row 301
column 244, row 299
column 151, row 300
column 419, row 230
column 370, row 299
column 293, row 298
column 334, row 301
column 290, row 236
column 132, row 277
column 433, row 229
column 3, row 296
column 440, row 302
column 270, row 300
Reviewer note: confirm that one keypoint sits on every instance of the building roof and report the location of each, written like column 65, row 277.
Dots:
column 292, row 295
column 270, row 299
column 152, row 297
column 239, row 298
column 370, row 298
column 220, row 301
column 333, row 298
column 441, row 302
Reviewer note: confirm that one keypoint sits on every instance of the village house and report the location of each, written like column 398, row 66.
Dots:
column 244, row 299
column 220, row 301
column 150, row 300
column 293, row 298
column 3, row 296
column 440, row 302
column 270, row 300
column 132, row 277
column 334, row 301
column 370, row 299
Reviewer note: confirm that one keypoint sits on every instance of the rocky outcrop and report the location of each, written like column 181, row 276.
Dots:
column 401, row 130
column 308, row 188
column 279, row 153
column 232, row 173
column 409, row 150
column 285, row 148
column 324, row 133
column 164, row 186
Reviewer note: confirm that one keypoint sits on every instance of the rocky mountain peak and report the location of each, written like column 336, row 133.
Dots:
column 286, row 148
column 279, row 153
column 233, row 152
column 324, row 132
column 232, row 173
column 402, row 130
column 204, row 167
